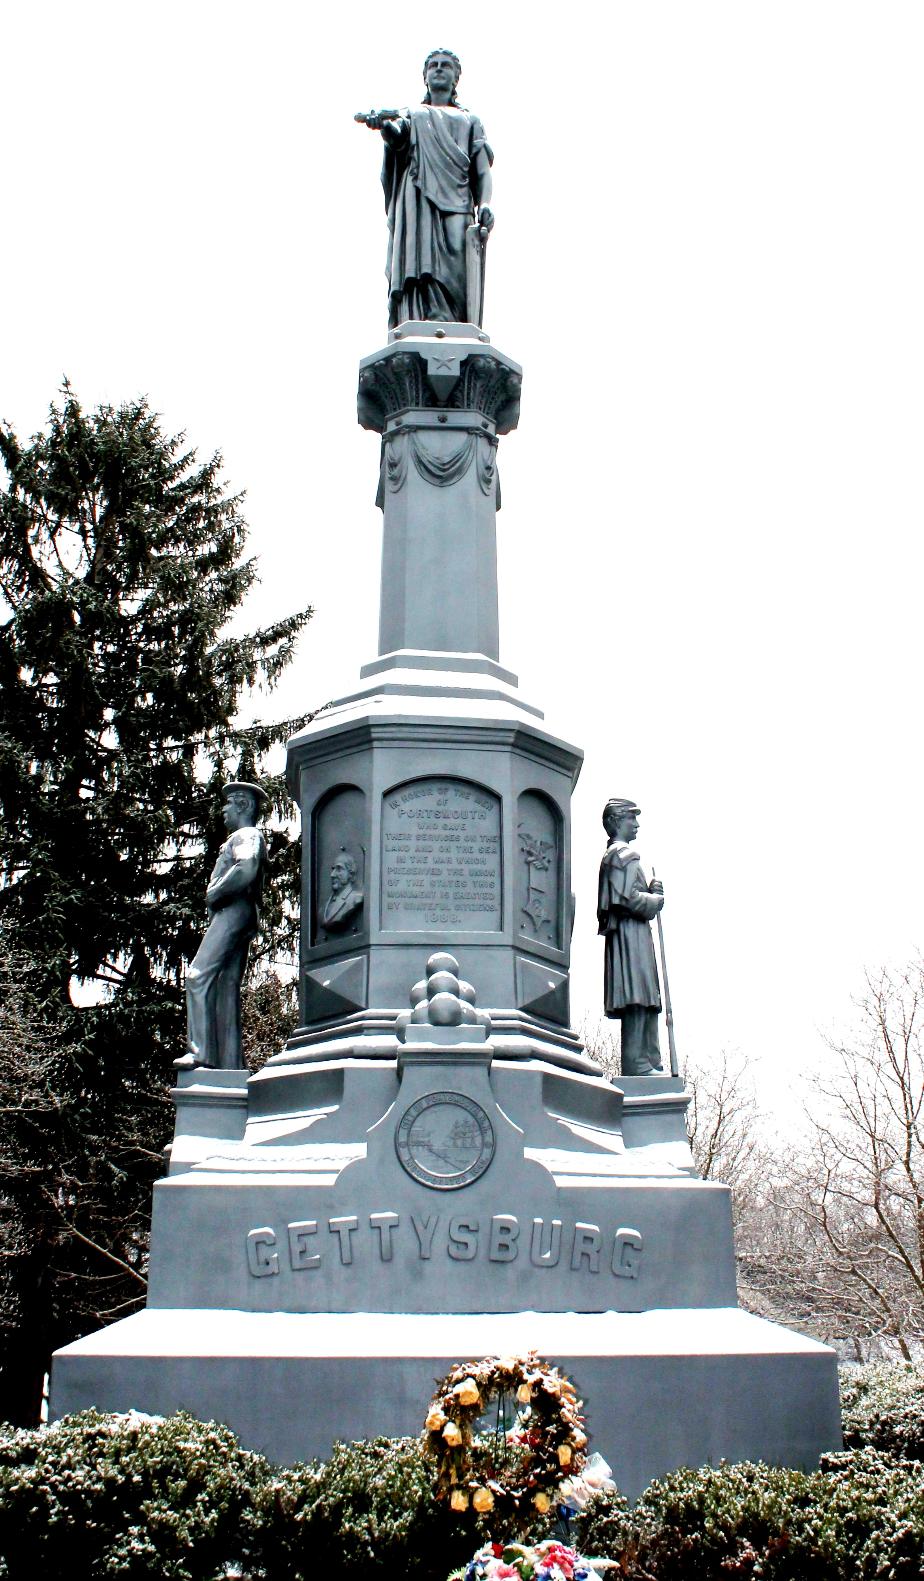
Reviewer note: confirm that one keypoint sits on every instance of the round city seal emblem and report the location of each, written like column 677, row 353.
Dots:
column 445, row 1140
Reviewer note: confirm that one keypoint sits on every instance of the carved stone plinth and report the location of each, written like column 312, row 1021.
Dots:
column 379, row 1219
column 456, row 815
column 440, row 396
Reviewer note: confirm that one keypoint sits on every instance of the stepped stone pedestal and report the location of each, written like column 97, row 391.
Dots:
column 409, row 1184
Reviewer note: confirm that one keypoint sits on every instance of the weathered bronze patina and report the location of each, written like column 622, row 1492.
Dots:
column 437, row 179
column 626, row 904
column 213, row 981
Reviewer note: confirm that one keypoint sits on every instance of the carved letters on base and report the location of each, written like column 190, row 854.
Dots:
column 463, row 1237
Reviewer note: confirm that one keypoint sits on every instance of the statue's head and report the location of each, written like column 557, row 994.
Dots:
column 620, row 818
column 243, row 804
column 342, row 872
column 446, row 67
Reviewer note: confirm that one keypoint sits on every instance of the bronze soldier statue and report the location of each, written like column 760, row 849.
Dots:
column 626, row 905
column 213, row 981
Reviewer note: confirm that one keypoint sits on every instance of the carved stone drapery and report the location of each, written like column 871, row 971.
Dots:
column 439, row 465
column 435, row 463
column 394, row 463
column 488, row 475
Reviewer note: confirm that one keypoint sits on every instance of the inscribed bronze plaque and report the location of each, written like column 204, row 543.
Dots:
column 441, row 857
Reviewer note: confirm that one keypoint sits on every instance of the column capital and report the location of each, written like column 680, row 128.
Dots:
column 443, row 370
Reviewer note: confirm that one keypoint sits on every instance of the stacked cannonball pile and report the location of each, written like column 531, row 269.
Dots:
column 442, row 999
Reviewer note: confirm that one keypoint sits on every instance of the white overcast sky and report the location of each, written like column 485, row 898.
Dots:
column 709, row 258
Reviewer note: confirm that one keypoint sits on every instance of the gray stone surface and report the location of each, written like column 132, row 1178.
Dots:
column 434, row 803
column 465, row 663
column 353, row 1188
column 662, row 1389
column 440, row 405
column 210, row 1107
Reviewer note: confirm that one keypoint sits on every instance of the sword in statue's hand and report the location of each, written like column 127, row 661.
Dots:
column 476, row 244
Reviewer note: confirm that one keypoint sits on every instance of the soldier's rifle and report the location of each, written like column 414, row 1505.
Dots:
column 668, row 1010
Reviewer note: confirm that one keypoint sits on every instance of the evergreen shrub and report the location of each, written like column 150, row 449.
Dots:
column 175, row 1499
column 97, row 1496
column 367, row 1512
column 882, row 1405
column 138, row 1498
column 860, row 1516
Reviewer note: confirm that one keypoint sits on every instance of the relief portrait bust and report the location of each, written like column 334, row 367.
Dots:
column 345, row 901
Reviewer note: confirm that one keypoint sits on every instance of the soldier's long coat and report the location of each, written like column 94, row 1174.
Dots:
column 625, row 907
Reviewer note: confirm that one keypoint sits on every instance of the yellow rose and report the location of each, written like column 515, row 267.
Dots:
column 482, row 1500
column 564, row 1454
column 452, row 1435
column 435, row 1419
column 466, row 1392
column 506, row 1363
column 542, row 1502
column 458, row 1499
column 525, row 1393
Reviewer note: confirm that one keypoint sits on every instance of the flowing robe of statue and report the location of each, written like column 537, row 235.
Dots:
column 625, row 908
column 428, row 175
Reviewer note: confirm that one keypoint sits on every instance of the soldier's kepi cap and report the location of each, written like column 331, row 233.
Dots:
column 616, row 806
column 256, row 791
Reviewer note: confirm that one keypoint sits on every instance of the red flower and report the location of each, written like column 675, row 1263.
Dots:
column 563, row 1557
column 497, row 1550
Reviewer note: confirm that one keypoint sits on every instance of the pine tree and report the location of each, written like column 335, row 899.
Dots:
column 121, row 561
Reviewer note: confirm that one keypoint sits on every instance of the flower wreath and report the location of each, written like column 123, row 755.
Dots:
column 514, row 1471
column 546, row 1561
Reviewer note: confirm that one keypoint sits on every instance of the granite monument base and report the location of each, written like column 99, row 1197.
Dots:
column 662, row 1388
column 335, row 1233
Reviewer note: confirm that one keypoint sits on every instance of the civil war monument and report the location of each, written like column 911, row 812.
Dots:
column 433, row 1168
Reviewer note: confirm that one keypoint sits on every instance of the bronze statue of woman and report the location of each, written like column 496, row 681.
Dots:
column 437, row 179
